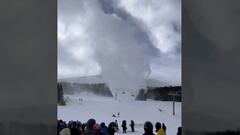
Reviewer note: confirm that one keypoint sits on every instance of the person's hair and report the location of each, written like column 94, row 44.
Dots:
column 148, row 127
column 157, row 126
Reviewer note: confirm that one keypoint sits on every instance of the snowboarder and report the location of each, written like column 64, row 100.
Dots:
column 132, row 125
column 148, row 128
column 159, row 129
column 118, row 114
column 124, row 126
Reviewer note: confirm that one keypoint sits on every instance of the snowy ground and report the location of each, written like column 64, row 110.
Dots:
column 102, row 109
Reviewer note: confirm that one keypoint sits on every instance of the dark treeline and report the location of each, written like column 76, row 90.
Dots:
column 98, row 89
column 160, row 93
column 60, row 94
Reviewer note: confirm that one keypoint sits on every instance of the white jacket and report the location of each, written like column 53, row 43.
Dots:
column 65, row 131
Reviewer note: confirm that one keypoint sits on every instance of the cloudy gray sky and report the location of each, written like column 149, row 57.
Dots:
column 97, row 36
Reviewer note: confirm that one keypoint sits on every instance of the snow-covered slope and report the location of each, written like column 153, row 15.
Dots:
column 84, row 79
column 102, row 109
column 98, row 79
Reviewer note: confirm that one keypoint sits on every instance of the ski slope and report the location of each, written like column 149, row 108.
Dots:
column 102, row 109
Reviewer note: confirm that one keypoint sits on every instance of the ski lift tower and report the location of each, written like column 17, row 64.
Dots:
column 173, row 94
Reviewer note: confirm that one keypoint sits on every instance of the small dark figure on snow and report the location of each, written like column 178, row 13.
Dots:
column 148, row 128
column 132, row 126
column 118, row 114
column 114, row 115
column 124, row 126
column 111, row 128
column 179, row 132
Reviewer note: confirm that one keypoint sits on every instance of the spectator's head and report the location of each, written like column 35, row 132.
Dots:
column 90, row 124
column 102, row 124
column 148, row 127
column 179, row 130
column 96, row 128
column 158, row 126
column 111, row 127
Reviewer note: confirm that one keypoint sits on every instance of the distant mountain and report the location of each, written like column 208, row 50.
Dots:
column 84, row 79
column 97, row 79
column 155, row 83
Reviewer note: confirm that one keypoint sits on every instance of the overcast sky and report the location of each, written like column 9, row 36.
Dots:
column 93, row 33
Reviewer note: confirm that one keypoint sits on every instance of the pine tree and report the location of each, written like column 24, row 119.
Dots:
column 60, row 94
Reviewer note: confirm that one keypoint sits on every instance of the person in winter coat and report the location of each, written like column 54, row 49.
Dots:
column 61, row 125
column 83, row 127
column 65, row 131
column 111, row 128
column 159, row 129
column 104, row 128
column 74, row 129
column 132, row 125
column 89, row 127
column 148, row 128
column 124, row 126
column 97, row 129
column 116, row 126
column 164, row 128
column 179, row 132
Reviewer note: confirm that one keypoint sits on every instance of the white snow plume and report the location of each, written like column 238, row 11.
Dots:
column 117, row 50
column 112, row 39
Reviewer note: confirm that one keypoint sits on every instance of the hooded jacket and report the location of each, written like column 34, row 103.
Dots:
column 160, row 132
column 65, row 131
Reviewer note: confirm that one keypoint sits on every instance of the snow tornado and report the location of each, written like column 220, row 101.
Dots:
column 118, row 52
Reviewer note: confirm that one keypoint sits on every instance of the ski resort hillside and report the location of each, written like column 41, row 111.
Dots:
column 98, row 79
column 85, row 105
column 95, row 84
